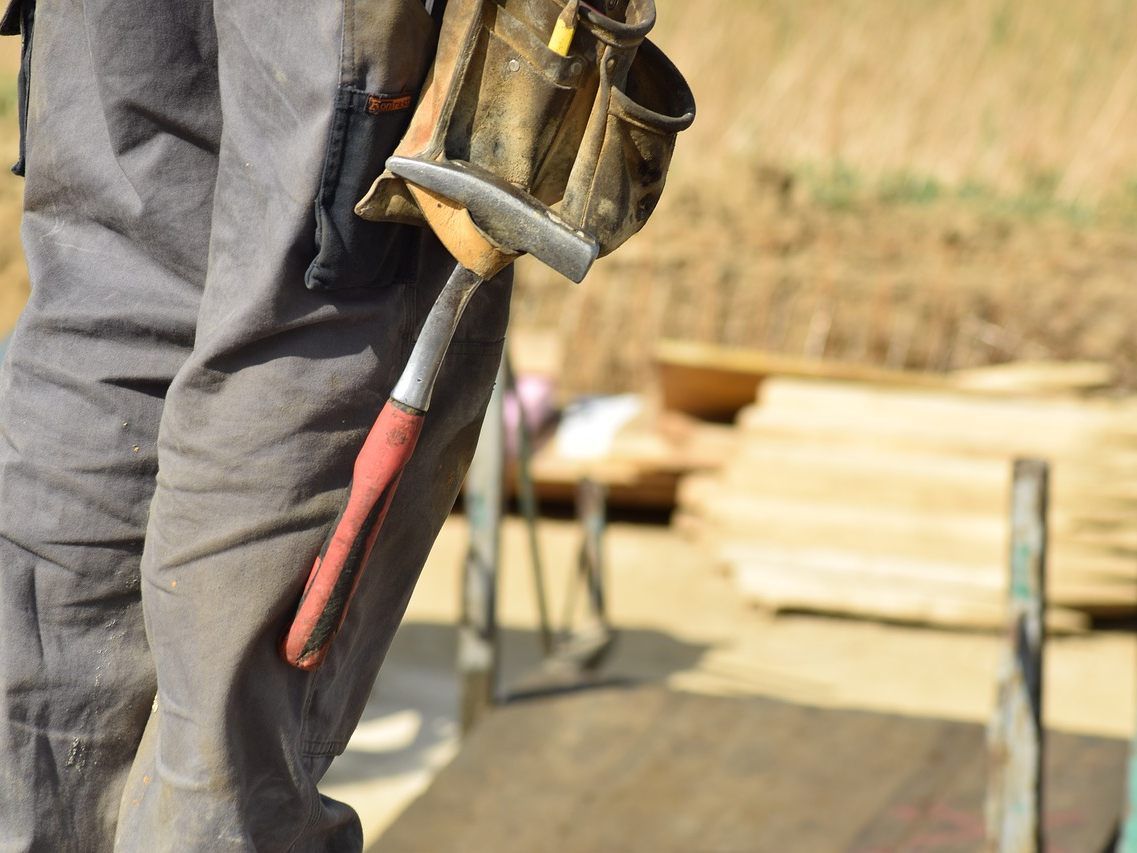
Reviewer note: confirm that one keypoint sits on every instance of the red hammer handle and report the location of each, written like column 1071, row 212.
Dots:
column 337, row 570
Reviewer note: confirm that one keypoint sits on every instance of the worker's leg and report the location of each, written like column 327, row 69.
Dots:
column 259, row 435
column 116, row 269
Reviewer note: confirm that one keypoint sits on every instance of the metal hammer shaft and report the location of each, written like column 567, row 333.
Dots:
column 378, row 468
column 417, row 380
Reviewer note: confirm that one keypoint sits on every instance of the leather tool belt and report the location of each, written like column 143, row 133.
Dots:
column 589, row 133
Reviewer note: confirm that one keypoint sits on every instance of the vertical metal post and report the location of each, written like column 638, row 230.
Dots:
column 1127, row 840
column 592, row 507
column 586, row 647
column 1015, row 736
column 527, row 501
column 477, row 631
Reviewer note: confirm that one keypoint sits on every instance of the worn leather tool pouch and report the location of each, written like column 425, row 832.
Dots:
column 622, row 164
column 594, row 128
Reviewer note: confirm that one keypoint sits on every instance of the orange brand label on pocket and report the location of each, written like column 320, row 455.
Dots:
column 380, row 104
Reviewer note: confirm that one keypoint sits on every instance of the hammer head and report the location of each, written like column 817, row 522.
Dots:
column 509, row 216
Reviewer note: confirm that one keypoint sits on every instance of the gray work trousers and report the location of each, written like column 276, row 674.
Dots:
column 179, row 414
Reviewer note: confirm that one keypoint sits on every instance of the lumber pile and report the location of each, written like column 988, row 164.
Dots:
column 891, row 502
column 714, row 382
column 627, row 442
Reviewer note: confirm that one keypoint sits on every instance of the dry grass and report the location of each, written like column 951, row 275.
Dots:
column 992, row 93
column 928, row 287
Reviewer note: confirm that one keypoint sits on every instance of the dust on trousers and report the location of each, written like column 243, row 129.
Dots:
column 209, row 336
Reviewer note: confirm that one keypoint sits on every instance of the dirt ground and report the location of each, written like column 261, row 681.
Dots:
column 879, row 182
column 927, row 286
column 682, row 625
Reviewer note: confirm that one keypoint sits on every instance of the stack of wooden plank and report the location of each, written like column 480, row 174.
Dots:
column 890, row 502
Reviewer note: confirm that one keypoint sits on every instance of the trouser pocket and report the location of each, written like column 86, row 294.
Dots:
column 18, row 20
column 352, row 252
column 388, row 45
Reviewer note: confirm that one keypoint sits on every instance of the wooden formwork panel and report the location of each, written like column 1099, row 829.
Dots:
column 645, row 769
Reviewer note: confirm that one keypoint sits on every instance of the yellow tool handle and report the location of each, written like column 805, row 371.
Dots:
column 564, row 29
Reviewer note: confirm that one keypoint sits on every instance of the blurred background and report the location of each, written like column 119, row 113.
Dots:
column 897, row 252
column 961, row 167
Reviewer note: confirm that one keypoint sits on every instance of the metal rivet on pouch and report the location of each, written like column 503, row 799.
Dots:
column 513, row 65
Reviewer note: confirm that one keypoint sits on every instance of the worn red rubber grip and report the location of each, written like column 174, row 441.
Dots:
column 337, row 570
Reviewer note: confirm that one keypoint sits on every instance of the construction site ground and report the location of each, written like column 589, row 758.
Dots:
column 683, row 625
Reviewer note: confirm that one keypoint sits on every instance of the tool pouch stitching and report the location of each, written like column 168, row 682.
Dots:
column 527, row 132
column 19, row 19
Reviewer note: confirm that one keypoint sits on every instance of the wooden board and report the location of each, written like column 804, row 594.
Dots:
column 921, row 417
column 891, row 502
column 808, row 584
column 556, row 482
column 714, row 382
column 644, row 769
column 933, row 478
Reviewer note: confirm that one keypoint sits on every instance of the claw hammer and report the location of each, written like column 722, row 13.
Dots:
column 486, row 223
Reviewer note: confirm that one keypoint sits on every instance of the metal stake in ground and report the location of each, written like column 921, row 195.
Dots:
column 477, row 627
column 586, row 647
column 1015, row 735
column 527, row 502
